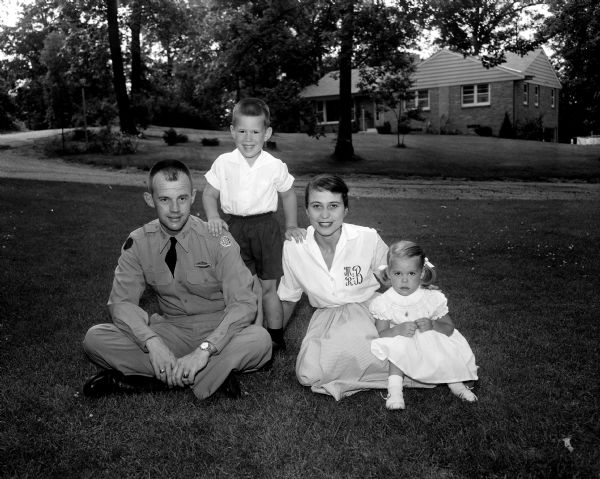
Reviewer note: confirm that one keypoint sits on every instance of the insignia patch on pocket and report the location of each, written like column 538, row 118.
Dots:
column 225, row 241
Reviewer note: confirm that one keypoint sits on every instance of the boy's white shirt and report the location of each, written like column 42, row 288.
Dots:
column 359, row 252
column 249, row 190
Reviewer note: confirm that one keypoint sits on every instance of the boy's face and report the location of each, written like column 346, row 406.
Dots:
column 249, row 134
column 172, row 201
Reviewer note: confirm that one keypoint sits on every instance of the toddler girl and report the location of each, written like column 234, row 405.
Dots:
column 417, row 336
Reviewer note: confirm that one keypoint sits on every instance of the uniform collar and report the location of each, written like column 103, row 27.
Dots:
column 183, row 237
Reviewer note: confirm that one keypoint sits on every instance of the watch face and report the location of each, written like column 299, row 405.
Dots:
column 204, row 346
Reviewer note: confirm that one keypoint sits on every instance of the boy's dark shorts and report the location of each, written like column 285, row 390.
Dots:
column 261, row 244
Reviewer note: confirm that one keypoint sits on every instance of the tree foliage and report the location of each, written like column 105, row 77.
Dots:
column 485, row 28
column 574, row 32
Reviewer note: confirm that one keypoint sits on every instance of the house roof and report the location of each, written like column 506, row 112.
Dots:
column 446, row 68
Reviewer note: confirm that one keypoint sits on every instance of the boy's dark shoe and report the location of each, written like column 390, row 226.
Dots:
column 279, row 346
column 111, row 381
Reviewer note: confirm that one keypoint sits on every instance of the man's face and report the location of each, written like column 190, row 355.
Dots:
column 249, row 134
column 172, row 201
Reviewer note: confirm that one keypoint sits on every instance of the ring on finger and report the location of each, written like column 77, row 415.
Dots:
column 162, row 371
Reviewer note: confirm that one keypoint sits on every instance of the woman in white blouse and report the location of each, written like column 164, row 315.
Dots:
column 335, row 267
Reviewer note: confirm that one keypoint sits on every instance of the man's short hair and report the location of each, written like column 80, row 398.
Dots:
column 251, row 107
column 171, row 169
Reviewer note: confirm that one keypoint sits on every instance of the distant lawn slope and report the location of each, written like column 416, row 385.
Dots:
column 425, row 156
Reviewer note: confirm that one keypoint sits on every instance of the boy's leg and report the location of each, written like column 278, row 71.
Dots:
column 273, row 313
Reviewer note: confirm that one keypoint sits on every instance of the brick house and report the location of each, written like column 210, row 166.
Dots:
column 457, row 94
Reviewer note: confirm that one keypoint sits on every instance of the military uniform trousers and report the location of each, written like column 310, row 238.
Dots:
column 249, row 349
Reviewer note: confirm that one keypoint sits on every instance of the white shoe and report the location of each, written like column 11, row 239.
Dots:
column 465, row 394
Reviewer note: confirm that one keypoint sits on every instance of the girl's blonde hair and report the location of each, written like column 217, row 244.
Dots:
column 408, row 249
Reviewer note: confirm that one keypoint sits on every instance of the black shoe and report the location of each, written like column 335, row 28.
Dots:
column 111, row 381
column 279, row 346
column 231, row 387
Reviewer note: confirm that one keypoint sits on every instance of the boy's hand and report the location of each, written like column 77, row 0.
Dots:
column 216, row 226
column 424, row 324
column 295, row 233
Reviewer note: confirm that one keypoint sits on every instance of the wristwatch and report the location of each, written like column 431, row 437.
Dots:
column 206, row 346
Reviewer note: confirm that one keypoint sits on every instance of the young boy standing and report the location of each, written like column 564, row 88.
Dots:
column 247, row 182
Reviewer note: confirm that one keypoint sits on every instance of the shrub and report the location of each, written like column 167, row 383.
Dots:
column 506, row 130
column 385, row 129
column 210, row 142
column 531, row 129
column 171, row 137
column 484, row 130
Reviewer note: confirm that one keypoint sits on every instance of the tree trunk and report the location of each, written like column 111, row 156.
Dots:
column 125, row 117
column 344, row 150
column 136, row 50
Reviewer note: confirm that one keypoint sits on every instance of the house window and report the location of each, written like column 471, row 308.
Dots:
column 536, row 95
column 418, row 99
column 525, row 93
column 552, row 97
column 476, row 95
column 328, row 111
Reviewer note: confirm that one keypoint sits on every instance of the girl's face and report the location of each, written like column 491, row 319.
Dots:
column 326, row 212
column 405, row 274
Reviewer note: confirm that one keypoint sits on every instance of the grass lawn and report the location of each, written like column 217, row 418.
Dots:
column 521, row 278
column 426, row 156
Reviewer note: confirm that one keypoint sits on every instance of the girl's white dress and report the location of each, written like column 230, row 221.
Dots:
column 429, row 357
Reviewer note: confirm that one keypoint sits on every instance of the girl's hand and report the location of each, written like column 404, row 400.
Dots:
column 424, row 324
column 407, row 329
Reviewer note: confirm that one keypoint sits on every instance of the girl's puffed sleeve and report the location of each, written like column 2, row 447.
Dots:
column 438, row 303
column 378, row 309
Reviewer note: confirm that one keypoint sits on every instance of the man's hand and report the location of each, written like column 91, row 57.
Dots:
column 162, row 359
column 188, row 366
column 424, row 324
column 295, row 233
column 216, row 226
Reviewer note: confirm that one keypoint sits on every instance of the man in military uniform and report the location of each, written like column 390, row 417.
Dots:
column 205, row 293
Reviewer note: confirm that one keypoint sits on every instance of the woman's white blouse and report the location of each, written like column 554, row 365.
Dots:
column 359, row 252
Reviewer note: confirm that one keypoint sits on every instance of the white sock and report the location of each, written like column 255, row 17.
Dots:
column 395, row 399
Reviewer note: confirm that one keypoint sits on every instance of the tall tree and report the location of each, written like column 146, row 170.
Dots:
column 363, row 46
column 573, row 30
column 485, row 28
column 126, row 119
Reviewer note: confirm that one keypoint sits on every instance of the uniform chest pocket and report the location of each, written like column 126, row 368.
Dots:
column 159, row 278
column 203, row 284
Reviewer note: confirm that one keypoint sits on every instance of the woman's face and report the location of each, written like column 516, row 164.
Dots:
column 326, row 212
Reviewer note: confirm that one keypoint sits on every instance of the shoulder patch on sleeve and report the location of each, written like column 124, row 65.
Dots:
column 128, row 243
column 225, row 241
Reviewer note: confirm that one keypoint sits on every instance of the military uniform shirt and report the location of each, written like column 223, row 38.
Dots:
column 210, row 277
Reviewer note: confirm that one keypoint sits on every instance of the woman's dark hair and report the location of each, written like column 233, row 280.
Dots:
column 327, row 182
